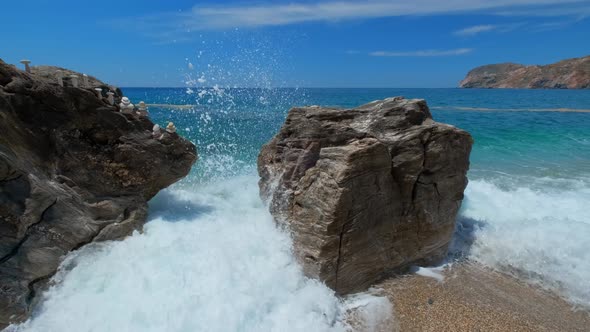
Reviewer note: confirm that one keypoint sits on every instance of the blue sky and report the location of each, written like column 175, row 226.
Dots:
column 313, row 43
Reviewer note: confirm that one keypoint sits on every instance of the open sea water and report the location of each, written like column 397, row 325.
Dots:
column 211, row 258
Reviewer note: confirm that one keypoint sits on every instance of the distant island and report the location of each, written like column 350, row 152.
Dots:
column 565, row 74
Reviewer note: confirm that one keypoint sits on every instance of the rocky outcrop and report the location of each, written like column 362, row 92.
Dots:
column 566, row 74
column 366, row 192
column 73, row 170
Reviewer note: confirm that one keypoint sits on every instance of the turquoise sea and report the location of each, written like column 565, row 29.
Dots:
column 520, row 132
column 211, row 259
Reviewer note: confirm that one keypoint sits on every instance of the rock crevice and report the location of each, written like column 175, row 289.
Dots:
column 24, row 238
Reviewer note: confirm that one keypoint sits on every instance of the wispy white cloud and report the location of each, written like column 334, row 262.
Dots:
column 554, row 25
column 526, row 26
column 498, row 28
column 422, row 53
column 226, row 16
column 578, row 9
column 474, row 30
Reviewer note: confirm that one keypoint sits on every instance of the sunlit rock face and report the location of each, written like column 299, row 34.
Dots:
column 368, row 191
column 566, row 74
column 73, row 170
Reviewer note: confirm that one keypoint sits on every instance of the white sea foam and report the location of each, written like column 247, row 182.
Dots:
column 540, row 231
column 212, row 260
column 370, row 312
column 431, row 272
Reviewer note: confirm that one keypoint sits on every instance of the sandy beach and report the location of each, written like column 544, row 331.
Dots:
column 474, row 298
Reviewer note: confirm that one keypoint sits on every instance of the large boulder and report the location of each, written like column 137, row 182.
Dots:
column 73, row 170
column 366, row 192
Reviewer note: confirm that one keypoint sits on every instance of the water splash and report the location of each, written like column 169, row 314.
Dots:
column 211, row 260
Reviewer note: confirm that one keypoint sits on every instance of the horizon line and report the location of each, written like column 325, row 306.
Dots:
column 282, row 87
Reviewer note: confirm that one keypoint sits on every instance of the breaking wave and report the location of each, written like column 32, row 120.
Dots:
column 538, row 231
column 209, row 260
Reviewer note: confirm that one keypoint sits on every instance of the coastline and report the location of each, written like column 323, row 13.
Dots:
column 475, row 298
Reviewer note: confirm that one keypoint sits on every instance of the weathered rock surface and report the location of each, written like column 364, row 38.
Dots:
column 73, row 170
column 566, row 74
column 368, row 191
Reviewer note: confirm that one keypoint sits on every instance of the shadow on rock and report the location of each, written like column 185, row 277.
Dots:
column 172, row 208
column 465, row 234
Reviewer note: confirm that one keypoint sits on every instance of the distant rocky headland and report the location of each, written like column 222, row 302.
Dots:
column 78, row 163
column 566, row 74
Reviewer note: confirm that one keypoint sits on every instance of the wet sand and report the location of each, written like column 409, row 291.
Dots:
column 474, row 298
